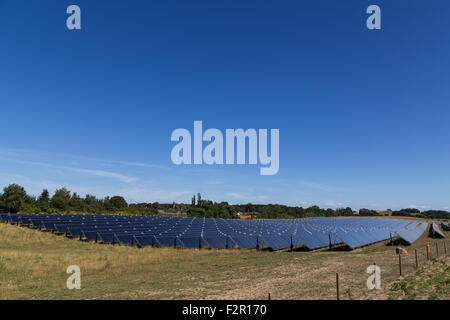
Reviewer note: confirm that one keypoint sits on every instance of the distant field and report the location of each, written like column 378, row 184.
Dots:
column 33, row 266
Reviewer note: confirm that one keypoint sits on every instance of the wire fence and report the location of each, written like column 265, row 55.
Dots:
column 392, row 266
column 407, row 264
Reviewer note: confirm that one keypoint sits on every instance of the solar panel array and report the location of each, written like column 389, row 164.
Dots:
column 412, row 232
column 435, row 231
column 189, row 232
column 445, row 226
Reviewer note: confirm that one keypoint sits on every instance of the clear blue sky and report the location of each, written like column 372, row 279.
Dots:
column 363, row 115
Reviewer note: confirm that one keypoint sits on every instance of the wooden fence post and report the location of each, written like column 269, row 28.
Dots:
column 417, row 262
column 426, row 249
column 437, row 248
column 400, row 263
column 270, row 298
column 337, row 287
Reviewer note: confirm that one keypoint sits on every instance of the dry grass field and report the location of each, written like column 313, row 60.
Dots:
column 33, row 266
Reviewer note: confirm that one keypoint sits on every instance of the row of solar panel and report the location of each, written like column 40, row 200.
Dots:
column 182, row 221
column 165, row 231
column 144, row 236
column 411, row 235
column 435, row 231
column 229, row 226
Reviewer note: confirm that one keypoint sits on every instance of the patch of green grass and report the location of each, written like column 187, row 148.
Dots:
column 432, row 281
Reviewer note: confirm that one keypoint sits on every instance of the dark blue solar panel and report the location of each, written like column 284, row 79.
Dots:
column 61, row 228
column 349, row 239
column 412, row 234
column 222, row 233
column 36, row 223
column 306, row 238
column 14, row 218
column 125, row 239
column 106, row 237
column 144, row 241
column 193, row 242
column 90, row 235
column 278, row 242
column 246, row 242
column 49, row 225
column 166, row 241
column 435, row 231
column 218, row 242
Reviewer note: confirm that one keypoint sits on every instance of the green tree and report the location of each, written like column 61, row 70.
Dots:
column 43, row 202
column 60, row 199
column 44, row 197
column 344, row 211
column 118, row 202
column 199, row 200
column 76, row 203
column 197, row 212
column 367, row 212
column 13, row 198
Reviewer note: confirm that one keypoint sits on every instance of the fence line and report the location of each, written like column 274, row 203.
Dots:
column 420, row 258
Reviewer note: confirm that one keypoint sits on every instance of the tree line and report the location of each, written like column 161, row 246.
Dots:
column 15, row 199
column 408, row 212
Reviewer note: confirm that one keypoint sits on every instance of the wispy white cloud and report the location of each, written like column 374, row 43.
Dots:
column 129, row 163
column 414, row 206
column 10, row 154
column 94, row 172
column 153, row 195
column 106, row 174
column 35, row 163
column 246, row 197
column 296, row 203
column 74, row 159
column 334, row 204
